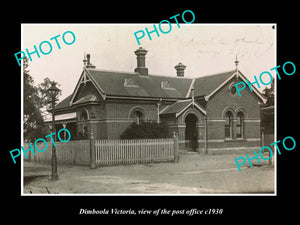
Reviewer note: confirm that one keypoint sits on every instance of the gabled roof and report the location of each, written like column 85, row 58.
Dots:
column 259, row 95
column 112, row 84
column 205, row 85
column 65, row 103
column 175, row 107
column 209, row 85
column 180, row 106
column 88, row 98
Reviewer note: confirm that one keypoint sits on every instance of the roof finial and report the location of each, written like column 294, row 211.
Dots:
column 84, row 59
column 193, row 93
column 236, row 62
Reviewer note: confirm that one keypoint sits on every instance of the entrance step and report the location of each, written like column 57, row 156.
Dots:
column 185, row 152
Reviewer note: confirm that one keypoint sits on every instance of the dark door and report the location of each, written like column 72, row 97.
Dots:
column 191, row 134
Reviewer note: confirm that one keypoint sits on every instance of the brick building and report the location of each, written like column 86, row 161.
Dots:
column 205, row 112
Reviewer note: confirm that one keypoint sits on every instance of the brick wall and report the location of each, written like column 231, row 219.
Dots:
column 110, row 118
column 118, row 115
column 223, row 99
column 216, row 107
column 122, row 109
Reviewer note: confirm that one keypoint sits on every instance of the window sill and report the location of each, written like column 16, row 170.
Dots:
column 235, row 140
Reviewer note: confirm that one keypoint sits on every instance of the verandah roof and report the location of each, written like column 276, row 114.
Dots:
column 71, row 117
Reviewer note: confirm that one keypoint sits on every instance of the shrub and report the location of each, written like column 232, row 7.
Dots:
column 146, row 130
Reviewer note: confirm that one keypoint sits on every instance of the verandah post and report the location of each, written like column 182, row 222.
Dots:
column 92, row 152
column 175, row 146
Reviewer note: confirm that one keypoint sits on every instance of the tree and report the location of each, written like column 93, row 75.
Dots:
column 36, row 101
column 267, row 116
column 33, row 120
column 267, row 111
column 44, row 96
column 269, row 94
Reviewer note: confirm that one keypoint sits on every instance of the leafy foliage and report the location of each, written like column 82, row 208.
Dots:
column 146, row 130
column 44, row 96
column 33, row 120
column 34, row 101
column 267, row 112
column 269, row 94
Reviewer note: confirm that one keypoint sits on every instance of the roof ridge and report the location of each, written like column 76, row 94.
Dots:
column 135, row 73
column 215, row 74
column 113, row 71
column 158, row 75
column 167, row 76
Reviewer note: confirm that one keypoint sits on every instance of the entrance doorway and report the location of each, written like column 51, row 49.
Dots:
column 191, row 134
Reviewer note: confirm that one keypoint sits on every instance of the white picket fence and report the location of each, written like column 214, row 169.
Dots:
column 108, row 152
column 115, row 152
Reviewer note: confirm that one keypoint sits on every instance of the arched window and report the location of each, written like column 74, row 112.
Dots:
column 137, row 116
column 228, row 125
column 84, row 118
column 240, row 125
column 83, row 115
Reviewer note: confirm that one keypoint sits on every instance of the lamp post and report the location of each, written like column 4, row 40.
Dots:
column 53, row 92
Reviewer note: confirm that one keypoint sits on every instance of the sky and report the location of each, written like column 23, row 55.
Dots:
column 205, row 49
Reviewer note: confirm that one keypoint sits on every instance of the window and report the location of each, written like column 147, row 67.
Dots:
column 129, row 82
column 84, row 127
column 83, row 115
column 166, row 85
column 240, row 125
column 137, row 117
column 232, row 89
column 228, row 125
column 137, row 114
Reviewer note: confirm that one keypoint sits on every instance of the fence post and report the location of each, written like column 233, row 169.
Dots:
column 176, row 149
column 206, row 136
column 92, row 152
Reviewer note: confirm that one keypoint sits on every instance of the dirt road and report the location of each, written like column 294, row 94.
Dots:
column 194, row 174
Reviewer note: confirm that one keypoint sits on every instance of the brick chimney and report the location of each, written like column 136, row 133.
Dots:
column 140, row 56
column 87, row 62
column 180, row 69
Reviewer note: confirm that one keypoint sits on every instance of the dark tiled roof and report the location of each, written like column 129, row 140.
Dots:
column 112, row 83
column 64, row 103
column 175, row 107
column 180, row 106
column 205, row 85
